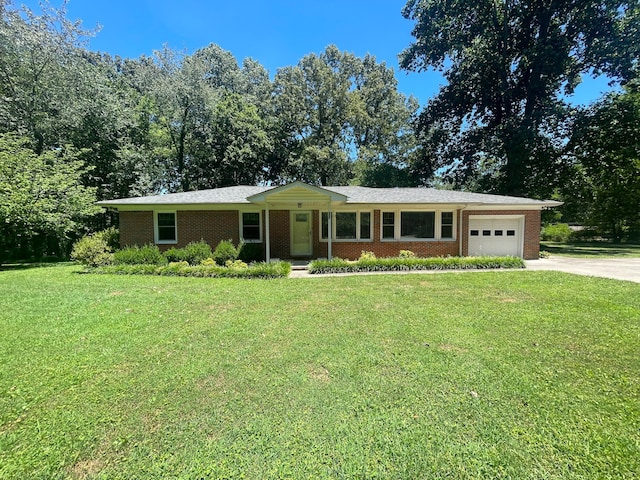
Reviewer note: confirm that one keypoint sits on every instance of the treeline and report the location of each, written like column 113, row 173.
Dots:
column 176, row 122
column 78, row 126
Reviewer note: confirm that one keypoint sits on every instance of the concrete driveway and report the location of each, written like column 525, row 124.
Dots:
column 617, row 268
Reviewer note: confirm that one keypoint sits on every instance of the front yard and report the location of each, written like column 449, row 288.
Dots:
column 482, row 375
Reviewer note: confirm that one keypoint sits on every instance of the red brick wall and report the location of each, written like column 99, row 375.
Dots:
column 136, row 228
column 531, row 249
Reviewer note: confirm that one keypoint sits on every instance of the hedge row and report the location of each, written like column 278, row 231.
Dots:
column 395, row 264
column 183, row 269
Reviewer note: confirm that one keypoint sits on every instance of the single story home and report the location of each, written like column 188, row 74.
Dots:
column 301, row 221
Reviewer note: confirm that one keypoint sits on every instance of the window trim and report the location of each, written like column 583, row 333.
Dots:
column 397, row 216
column 156, row 230
column 358, row 226
column 241, row 226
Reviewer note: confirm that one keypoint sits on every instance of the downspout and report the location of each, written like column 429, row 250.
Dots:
column 267, row 235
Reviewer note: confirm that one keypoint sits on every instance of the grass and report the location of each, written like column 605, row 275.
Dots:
column 457, row 375
column 591, row 249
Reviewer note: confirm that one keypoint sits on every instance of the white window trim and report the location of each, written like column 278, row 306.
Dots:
column 437, row 225
column 241, row 225
column 156, row 231
column 358, row 231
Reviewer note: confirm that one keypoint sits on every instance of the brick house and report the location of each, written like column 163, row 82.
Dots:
column 304, row 221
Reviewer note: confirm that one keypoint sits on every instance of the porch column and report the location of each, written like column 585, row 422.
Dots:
column 330, row 233
column 267, row 240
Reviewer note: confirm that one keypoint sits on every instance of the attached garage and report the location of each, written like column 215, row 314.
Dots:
column 496, row 235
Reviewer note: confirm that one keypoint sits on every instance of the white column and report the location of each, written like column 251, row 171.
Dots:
column 267, row 240
column 330, row 233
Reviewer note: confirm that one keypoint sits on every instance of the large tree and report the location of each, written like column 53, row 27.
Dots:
column 43, row 203
column 605, row 148
column 334, row 109
column 508, row 65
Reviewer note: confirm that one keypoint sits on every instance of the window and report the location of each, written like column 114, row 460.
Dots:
column 417, row 224
column 365, row 226
column 475, row 233
column 325, row 225
column 511, row 233
column 166, row 227
column 446, row 225
column 251, row 227
column 486, row 233
column 497, row 233
column 388, row 224
column 347, row 225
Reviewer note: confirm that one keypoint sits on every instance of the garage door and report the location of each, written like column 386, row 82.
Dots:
column 495, row 236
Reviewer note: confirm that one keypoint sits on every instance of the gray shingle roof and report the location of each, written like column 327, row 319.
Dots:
column 239, row 194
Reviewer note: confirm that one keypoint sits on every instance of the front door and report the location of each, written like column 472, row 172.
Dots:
column 301, row 234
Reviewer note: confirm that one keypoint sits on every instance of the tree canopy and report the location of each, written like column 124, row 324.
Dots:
column 500, row 122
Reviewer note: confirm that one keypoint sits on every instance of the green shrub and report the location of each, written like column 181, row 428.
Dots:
column 111, row 236
column 250, row 252
column 92, row 251
column 407, row 254
column 183, row 269
column 337, row 265
column 224, row 252
column 235, row 264
column 194, row 253
column 556, row 232
column 366, row 256
column 145, row 255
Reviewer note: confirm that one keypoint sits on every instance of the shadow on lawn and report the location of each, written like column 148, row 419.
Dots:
column 9, row 267
column 592, row 249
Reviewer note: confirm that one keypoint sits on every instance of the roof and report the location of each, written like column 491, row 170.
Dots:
column 244, row 194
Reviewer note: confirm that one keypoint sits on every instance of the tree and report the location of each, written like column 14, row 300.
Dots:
column 508, row 64
column 43, row 203
column 605, row 147
column 39, row 76
column 334, row 108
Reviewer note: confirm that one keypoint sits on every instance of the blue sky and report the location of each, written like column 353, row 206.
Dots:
column 276, row 33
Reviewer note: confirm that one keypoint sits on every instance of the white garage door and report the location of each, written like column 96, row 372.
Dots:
column 495, row 236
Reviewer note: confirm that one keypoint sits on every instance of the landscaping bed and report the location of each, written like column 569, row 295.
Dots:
column 369, row 263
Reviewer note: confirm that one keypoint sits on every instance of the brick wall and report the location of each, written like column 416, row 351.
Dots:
column 531, row 249
column 213, row 227
column 136, row 228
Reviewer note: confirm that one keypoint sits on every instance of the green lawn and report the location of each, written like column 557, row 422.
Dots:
column 458, row 375
column 591, row 249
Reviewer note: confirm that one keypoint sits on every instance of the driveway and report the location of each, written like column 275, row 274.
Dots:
column 616, row 268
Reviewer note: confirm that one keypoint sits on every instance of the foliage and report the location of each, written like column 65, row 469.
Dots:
column 224, row 252
column 557, row 232
column 250, row 252
column 500, row 121
column 194, row 253
column 606, row 150
column 207, row 269
column 384, row 376
column 92, row 251
column 41, row 197
column 406, row 254
column 338, row 265
column 135, row 255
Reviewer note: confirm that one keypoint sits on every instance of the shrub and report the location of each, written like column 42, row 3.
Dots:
column 235, row 264
column 145, row 255
column 556, row 232
column 183, row 269
column 92, row 251
column 407, row 254
column 111, row 236
column 194, row 253
column 337, row 265
column 250, row 252
column 367, row 256
column 224, row 252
